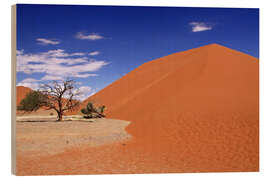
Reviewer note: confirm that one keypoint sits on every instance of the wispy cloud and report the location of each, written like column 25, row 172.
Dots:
column 91, row 36
column 85, row 92
column 58, row 64
column 200, row 26
column 61, row 53
column 52, row 78
column 43, row 41
column 94, row 53
column 30, row 82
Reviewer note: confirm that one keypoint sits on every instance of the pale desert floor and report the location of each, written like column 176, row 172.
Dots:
column 41, row 137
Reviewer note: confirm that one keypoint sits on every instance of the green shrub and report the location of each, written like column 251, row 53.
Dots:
column 32, row 102
column 91, row 112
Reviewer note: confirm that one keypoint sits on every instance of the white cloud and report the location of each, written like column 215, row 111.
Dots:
column 94, row 53
column 30, row 82
column 19, row 52
column 58, row 65
column 44, row 41
column 61, row 53
column 51, row 78
column 85, row 75
column 85, row 92
column 200, row 26
column 92, row 36
column 78, row 54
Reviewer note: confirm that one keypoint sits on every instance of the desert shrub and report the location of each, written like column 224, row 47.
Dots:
column 32, row 101
column 101, row 109
column 90, row 111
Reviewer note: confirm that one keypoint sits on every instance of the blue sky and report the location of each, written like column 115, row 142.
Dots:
column 96, row 45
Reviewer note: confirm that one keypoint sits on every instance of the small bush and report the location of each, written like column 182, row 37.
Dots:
column 33, row 101
column 91, row 112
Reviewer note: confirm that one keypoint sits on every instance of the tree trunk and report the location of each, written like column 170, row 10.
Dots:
column 60, row 117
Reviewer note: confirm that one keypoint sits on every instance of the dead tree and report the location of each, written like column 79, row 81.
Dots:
column 60, row 96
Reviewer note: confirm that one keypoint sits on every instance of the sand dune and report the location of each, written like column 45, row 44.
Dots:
column 198, row 106
column 21, row 92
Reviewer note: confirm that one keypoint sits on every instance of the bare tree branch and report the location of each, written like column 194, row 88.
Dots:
column 60, row 96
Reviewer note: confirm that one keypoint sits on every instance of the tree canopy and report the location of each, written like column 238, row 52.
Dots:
column 33, row 101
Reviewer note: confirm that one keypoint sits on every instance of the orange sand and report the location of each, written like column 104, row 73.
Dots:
column 193, row 111
column 21, row 93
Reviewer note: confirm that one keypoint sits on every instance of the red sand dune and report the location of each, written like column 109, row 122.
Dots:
column 21, row 92
column 197, row 109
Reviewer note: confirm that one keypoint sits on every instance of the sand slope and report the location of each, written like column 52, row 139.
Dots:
column 21, row 92
column 198, row 107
